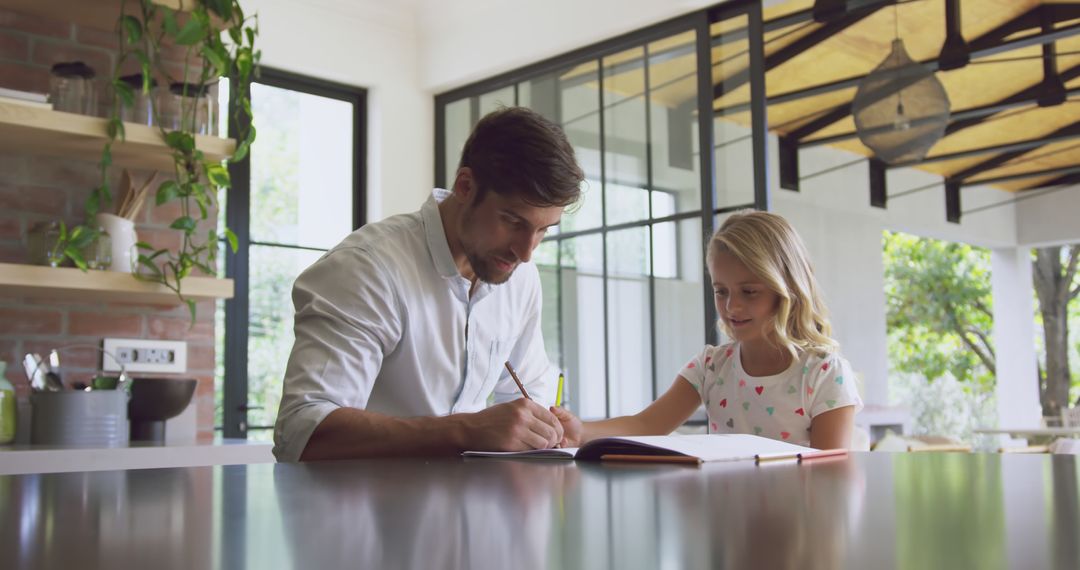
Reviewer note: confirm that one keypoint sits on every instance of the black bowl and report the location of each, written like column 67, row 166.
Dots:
column 158, row 399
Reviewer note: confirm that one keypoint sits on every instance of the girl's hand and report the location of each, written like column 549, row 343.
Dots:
column 573, row 430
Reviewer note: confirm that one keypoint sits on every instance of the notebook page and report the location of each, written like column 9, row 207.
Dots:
column 712, row 447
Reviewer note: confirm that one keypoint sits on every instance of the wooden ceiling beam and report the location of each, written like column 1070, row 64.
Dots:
column 843, row 110
column 1025, row 21
column 1009, row 152
column 797, row 47
column 960, row 120
column 954, row 52
column 1059, row 181
column 930, row 64
column 1064, row 170
column 795, row 18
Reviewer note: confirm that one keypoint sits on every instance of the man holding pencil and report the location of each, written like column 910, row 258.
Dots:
column 420, row 334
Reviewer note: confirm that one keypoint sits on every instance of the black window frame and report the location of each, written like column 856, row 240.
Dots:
column 700, row 22
column 238, row 216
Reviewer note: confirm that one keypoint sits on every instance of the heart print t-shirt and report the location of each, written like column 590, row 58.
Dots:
column 779, row 406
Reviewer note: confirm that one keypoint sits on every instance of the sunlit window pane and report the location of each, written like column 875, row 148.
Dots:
column 301, row 168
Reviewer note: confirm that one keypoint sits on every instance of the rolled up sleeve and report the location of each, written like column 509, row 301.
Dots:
column 347, row 321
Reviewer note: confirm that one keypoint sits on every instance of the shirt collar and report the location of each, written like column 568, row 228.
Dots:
column 436, row 235
column 440, row 248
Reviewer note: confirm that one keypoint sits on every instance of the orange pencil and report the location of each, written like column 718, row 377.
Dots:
column 517, row 381
column 822, row 453
column 804, row 456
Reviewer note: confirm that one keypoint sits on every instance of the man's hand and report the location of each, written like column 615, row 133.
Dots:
column 514, row 426
column 573, row 431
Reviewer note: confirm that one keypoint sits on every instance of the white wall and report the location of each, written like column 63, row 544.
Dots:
column 1050, row 218
column 369, row 44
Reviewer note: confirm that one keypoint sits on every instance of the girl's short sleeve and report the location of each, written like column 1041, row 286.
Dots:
column 694, row 371
column 834, row 386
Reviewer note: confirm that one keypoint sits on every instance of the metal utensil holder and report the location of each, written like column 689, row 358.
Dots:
column 82, row 418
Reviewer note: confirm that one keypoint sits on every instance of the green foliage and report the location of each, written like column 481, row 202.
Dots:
column 195, row 180
column 939, row 309
column 70, row 244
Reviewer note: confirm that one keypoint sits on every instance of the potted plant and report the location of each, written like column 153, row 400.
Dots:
column 219, row 38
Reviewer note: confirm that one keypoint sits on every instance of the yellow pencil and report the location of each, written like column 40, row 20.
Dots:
column 558, row 391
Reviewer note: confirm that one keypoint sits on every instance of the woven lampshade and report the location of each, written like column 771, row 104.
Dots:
column 900, row 109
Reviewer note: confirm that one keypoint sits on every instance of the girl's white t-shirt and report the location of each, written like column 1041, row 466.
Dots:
column 779, row 406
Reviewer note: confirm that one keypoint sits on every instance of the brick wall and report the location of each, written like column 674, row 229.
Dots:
column 43, row 188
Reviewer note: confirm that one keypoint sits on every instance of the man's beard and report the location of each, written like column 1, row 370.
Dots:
column 485, row 269
column 483, row 266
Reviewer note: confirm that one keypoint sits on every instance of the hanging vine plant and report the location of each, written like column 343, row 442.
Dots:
column 221, row 39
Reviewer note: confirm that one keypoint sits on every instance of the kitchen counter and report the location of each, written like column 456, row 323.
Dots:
column 19, row 459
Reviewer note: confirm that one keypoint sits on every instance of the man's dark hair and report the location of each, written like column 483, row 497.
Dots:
column 516, row 151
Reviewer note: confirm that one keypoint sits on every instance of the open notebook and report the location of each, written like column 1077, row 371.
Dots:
column 691, row 448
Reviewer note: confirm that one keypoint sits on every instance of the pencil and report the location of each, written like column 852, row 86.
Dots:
column 1025, row 449
column 517, row 381
column 558, row 391
column 804, row 456
column 822, row 453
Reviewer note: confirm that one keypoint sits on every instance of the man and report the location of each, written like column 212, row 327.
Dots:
column 402, row 330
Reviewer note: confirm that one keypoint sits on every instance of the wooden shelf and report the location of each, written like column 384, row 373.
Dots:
column 98, row 14
column 31, row 130
column 64, row 283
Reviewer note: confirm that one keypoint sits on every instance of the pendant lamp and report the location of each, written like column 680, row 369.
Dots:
column 900, row 109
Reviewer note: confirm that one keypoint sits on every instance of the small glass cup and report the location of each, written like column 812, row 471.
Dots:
column 98, row 253
column 72, row 88
column 142, row 111
column 185, row 96
column 43, row 244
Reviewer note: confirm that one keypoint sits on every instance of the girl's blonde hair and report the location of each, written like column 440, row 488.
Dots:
column 769, row 247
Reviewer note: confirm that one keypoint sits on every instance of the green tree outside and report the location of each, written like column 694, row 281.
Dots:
column 939, row 309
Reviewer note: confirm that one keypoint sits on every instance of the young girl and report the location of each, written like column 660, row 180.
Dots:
column 781, row 377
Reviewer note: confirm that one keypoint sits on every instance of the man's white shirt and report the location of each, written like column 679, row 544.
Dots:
column 381, row 326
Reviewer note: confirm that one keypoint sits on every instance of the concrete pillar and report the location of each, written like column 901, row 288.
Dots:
column 1014, row 338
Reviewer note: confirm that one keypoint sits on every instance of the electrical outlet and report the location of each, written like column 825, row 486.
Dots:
column 142, row 355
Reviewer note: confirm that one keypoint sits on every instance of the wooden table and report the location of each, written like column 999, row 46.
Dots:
column 872, row 510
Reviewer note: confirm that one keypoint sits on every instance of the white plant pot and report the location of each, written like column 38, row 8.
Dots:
column 122, row 233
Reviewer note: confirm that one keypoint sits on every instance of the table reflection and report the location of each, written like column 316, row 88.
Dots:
column 148, row 519
column 908, row 511
column 721, row 516
column 473, row 514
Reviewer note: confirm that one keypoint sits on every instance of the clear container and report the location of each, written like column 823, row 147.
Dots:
column 194, row 100
column 98, row 253
column 142, row 111
column 43, row 244
column 72, row 88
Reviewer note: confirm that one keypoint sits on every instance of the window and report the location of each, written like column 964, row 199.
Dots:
column 299, row 192
column 626, row 296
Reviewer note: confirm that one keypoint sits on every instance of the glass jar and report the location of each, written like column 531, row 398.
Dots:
column 72, row 88
column 98, row 253
column 43, row 244
column 142, row 110
column 194, row 100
